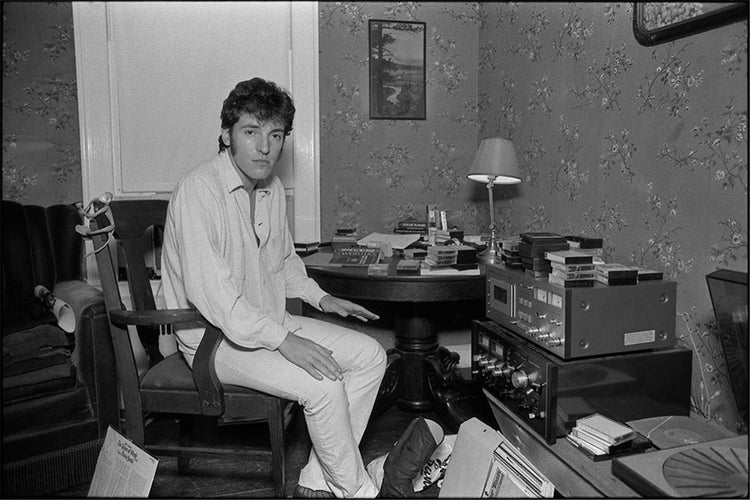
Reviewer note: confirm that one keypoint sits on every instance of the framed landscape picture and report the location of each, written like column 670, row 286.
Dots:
column 397, row 70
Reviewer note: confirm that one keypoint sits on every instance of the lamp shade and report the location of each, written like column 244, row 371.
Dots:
column 495, row 159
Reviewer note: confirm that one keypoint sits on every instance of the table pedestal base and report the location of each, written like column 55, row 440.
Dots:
column 422, row 376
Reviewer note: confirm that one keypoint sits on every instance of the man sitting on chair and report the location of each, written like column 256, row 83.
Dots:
column 228, row 252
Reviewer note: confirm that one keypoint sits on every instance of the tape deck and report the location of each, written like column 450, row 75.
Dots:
column 582, row 322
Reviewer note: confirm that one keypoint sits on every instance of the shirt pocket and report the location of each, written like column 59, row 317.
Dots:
column 273, row 254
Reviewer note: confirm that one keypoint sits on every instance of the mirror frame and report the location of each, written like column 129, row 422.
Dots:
column 719, row 17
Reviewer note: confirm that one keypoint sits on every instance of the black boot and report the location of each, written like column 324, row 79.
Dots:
column 406, row 459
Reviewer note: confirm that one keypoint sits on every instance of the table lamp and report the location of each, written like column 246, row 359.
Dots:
column 494, row 163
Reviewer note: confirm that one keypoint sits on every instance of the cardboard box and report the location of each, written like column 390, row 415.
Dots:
column 486, row 465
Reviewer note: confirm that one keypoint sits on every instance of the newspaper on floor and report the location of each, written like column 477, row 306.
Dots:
column 123, row 469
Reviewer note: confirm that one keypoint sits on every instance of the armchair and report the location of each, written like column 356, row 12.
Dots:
column 55, row 412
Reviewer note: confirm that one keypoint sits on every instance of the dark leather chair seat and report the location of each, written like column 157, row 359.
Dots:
column 173, row 379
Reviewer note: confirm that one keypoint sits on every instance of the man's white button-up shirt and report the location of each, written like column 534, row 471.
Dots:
column 211, row 260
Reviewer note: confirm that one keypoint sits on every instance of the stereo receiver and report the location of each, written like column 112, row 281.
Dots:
column 550, row 394
column 582, row 321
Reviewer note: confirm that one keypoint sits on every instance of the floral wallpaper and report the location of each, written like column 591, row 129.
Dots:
column 645, row 147
column 41, row 148
column 376, row 172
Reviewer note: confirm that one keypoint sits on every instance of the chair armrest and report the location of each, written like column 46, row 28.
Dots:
column 79, row 295
column 209, row 387
column 93, row 354
column 204, row 372
column 155, row 317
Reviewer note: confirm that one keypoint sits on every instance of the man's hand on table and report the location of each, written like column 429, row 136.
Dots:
column 344, row 308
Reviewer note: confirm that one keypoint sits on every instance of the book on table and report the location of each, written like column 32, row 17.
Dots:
column 356, row 256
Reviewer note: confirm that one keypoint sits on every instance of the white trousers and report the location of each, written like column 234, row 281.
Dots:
column 336, row 412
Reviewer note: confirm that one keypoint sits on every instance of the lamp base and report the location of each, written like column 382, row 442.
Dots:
column 490, row 255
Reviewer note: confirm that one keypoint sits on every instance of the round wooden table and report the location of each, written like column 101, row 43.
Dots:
column 417, row 361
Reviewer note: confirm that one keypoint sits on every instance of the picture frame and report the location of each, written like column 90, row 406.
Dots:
column 658, row 22
column 397, row 70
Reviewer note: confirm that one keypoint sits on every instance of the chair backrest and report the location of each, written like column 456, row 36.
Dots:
column 131, row 218
column 133, row 222
column 39, row 247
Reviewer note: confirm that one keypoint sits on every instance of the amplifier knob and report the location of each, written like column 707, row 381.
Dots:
column 544, row 336
column 520, row 379
column 555, row 341
column 502, row 370
column 533, row 331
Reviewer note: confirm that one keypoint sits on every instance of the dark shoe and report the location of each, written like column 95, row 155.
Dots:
column 407, row 458
column 302, row 492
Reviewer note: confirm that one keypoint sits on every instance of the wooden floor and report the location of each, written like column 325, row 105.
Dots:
column 216, row 478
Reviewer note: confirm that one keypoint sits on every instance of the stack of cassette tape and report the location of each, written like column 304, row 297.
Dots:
column 532, row 248
column 571, row 268
column 585, row 244
column 440, row 256
column 509, row 252
column 616, row 274
column 645, row 274
column 460, row 257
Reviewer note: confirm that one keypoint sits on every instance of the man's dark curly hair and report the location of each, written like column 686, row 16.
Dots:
column 261, row 98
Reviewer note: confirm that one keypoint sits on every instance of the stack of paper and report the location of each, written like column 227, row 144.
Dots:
column 396, row 241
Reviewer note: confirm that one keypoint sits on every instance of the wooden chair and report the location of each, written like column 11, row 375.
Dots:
column 169, row 386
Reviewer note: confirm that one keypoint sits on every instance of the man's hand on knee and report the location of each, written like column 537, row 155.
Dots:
column 311, row 357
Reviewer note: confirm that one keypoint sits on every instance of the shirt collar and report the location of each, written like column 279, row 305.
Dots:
column 231, row 178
